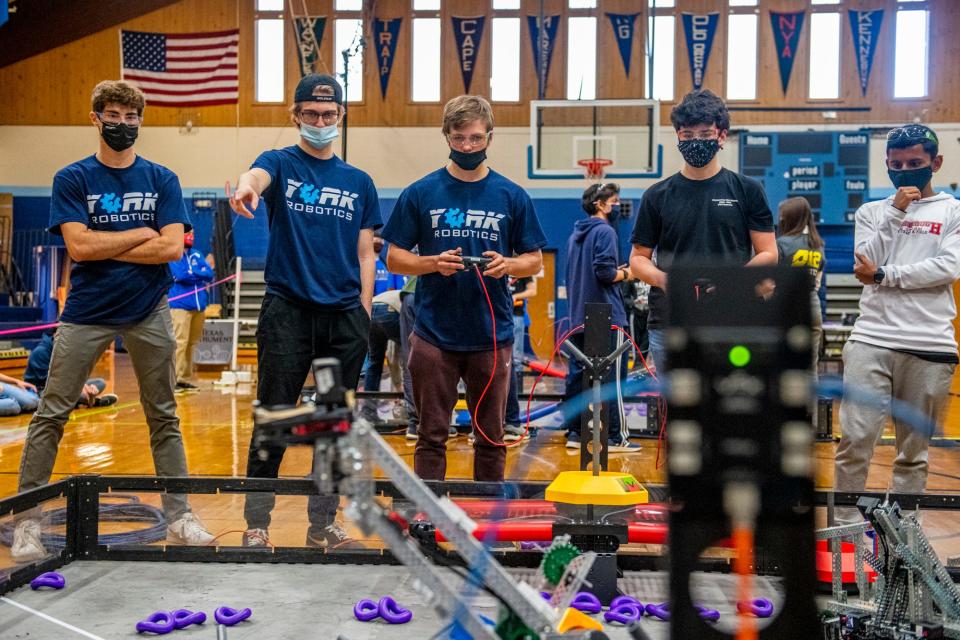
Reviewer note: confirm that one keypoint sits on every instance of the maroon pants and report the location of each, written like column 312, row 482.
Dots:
column 435, row 374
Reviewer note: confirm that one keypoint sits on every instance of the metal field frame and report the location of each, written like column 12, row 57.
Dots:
column 534, row 150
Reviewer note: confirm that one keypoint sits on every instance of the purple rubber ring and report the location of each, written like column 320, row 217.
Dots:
column 586, row 602
column 229, row 617
column 393, row 612
column 710, row 615
column 184, row 618
column 660, row 611
column 50, row 579
column 366, row 610
column 625, row 598
column 760, row 607
column 625, row 613
column 159, row 622
column 546, row 596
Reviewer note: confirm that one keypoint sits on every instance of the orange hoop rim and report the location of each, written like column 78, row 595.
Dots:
column 594, row 166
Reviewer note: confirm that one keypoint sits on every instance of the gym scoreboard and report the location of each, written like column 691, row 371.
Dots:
column 830, row 169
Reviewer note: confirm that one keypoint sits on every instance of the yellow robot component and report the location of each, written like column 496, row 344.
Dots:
column 573, row 619
column 609, row 488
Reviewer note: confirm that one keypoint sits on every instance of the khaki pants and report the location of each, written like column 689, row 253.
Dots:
column 188, row 329
column 76, row 348
column 887, row 374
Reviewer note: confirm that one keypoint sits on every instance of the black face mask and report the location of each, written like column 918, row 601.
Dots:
column 698, row 153
column 468, row 161
column 118, row 136
column 911, row 177
column 614, row 214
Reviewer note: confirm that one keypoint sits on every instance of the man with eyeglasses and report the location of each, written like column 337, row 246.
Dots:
column 320, row 274
column 122, row 219
column 704, row 212
column 463, row 209
column 902, row 347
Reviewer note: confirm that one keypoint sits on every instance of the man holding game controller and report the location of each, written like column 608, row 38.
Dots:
column 461, row 211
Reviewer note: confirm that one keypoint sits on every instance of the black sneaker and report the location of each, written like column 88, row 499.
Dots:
column 412, row 434
column 573, row 440
column 105, row 400
column 185, row 387
column 332, row 536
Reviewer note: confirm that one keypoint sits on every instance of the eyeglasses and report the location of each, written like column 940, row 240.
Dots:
column 909, row 132
column 475, row 140
column 113, row 117
column 696, row 135
column 309, row 116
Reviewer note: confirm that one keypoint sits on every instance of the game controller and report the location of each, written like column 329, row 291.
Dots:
column 476, row 261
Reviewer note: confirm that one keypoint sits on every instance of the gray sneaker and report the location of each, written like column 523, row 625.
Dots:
column 255, row 538
column 514, row 432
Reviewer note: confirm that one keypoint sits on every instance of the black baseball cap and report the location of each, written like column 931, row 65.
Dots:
column 308, row 85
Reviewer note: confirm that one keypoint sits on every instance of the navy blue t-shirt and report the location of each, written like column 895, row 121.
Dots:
column 439, row 212
column 144, row 194
column 315, row 211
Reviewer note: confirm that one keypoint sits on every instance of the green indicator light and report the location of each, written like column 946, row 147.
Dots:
column 739, row 356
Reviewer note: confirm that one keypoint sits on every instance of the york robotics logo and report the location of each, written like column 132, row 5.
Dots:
column 133, row 206
column 472, row 223
column 325, row 201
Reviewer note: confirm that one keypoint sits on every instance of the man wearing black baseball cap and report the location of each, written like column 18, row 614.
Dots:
column 320, row 272
column 907, row 250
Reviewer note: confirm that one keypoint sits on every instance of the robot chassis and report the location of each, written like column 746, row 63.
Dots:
column 913, row 595
column 346, row 451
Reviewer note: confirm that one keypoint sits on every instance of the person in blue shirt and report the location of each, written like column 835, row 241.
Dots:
column 593, row 275
column 122, row 219
column 191, row 275
column 463, row 209
column 320, row 270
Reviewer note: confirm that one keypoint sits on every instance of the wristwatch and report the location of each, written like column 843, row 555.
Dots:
column 879, row 275
column 626, row 274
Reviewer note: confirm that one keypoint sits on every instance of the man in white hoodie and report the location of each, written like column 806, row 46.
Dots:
column 907, row 250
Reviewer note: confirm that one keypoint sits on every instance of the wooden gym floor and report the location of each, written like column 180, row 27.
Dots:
column 216, row 429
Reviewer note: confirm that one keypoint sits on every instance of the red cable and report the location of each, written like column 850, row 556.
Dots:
column 661, row 405
column 493, row 371
column 556, row 348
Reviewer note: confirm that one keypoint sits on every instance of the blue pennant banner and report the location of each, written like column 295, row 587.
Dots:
column 786, row 35
column 865, row 26
column 699, row 30
column 385, row 34
column 468, row 32
column 309, row 34
column 543, row 41
column 623, row 29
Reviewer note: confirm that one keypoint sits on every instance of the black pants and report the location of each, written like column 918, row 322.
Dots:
column 289, row 337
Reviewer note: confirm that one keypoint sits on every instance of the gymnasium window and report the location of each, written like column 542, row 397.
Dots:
column 426, row 59
column 268, row 30
column 743, row 3
column 348, row 33
column 349, row 5
column 660, row 31
column 582, row 4
column 741, row 56
column 506, row 4
column 505, row 65
column 824, row 1
column 663, row 4
column 426, row 5
column 581, row 58
column 912, row 57
column 824, row 56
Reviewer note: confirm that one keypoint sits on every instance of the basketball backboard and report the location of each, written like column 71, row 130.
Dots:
column 565, row 133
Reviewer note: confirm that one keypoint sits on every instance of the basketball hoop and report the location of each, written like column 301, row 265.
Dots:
column 594, row 167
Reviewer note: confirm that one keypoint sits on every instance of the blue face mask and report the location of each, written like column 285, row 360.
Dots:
column 318, row 137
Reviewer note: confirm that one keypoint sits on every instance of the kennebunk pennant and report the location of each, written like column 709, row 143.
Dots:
column 865, row 26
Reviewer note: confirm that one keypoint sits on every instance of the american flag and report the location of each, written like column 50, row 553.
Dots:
column 182, row 69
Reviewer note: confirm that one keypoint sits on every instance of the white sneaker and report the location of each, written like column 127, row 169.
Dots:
column 255, row 538
column 27, row 545
column 189, row 530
